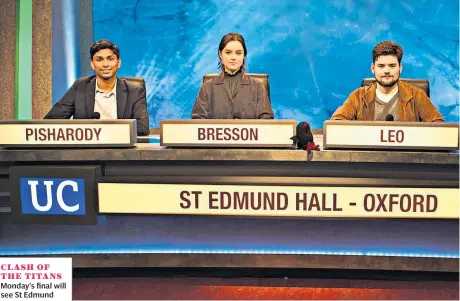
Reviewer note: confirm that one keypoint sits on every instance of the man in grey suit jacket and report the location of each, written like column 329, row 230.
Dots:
column 105, row 93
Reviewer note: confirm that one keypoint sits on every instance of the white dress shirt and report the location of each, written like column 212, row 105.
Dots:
column 105, row 103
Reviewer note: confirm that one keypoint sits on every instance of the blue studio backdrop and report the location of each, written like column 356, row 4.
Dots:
column 315, row 52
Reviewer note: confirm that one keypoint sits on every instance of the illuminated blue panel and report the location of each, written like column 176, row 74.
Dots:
column 66, row 47
column 134, row 250
column 234, row 235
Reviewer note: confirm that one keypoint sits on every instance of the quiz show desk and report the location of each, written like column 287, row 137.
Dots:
column 153, row 205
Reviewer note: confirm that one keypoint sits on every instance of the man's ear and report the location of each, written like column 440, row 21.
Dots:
column 400, row 68
column 92, row 65
column 119, row 63
column 373, row 68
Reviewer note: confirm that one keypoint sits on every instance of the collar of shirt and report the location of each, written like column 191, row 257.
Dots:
column 386, row 98
column 237, row 73
column 114, row 89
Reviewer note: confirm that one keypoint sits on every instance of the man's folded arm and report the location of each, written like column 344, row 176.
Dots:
column 140, row 112
column 347, row 111
column 427, row 111
column 65, row 107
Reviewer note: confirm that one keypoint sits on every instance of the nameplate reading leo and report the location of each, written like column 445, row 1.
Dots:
column 391, row 135
column 227, row 133
column 68, row 133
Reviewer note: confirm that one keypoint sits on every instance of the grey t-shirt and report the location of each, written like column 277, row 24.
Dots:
column 382, row 109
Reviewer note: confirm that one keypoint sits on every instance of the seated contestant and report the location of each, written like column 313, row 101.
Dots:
column 233, row 94
column 388, row 95
column 104, row 93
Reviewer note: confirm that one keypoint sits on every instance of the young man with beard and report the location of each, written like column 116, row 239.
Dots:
column 110, row 96
column 388, row 95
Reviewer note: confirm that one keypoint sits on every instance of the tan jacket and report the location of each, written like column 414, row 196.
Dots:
column 414, row 105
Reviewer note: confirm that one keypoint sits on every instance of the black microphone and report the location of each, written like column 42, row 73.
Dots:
column 303, row 135
column 389, row 117
column 97, row 115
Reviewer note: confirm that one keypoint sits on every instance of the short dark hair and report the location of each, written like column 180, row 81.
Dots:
column 387, row 48
column 228, row 38
column 104, row 44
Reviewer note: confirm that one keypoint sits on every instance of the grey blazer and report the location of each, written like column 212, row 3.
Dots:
column 78, row 102
column 250, row 100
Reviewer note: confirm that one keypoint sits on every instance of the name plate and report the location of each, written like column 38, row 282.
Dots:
column 390, row 135
column 276, row 201
column 68, row 133
column 227, row 133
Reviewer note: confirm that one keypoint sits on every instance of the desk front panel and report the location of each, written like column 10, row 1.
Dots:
column 184, row 234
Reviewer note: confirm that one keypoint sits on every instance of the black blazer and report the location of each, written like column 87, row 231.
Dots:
column 79, row 100
column 250, row 100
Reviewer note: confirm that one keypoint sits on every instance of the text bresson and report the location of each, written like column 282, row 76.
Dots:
column 227, row 134
column 66, row 134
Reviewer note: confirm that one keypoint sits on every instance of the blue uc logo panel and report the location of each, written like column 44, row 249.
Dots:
column 54, row 196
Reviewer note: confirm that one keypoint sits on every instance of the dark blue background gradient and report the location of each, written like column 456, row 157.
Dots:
column 219, row 234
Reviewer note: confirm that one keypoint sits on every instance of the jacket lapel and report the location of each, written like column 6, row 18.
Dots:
column 90, row 98
column 405, row 96
column 122, row 95
column 369, row 99
column 244, row 81
column 220, row 82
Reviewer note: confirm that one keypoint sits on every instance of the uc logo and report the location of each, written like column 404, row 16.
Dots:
column 57, row 196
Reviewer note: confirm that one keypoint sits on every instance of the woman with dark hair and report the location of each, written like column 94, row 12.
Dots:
column 232, row 94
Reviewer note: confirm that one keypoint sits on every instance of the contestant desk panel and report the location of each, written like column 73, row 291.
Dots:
column 205, row 241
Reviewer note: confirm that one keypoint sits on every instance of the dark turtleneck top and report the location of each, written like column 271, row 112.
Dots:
column 230, row 96
column 233, row 80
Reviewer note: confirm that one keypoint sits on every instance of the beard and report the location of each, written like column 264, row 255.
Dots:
column 388, row 84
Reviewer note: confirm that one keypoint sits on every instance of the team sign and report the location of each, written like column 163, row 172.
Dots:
column 371, row 202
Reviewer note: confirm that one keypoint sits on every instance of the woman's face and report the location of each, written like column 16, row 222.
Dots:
column 232, row 56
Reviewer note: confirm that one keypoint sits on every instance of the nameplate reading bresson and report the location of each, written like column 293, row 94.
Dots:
column 289, row 201
column 65, row 133
column 227, row 133
column 391, row 135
